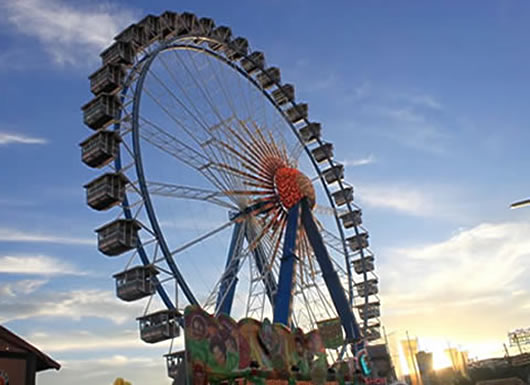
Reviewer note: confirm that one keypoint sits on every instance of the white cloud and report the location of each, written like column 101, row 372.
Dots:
column 104, row 370
column 25, row 286
column 113, row 339
column 74, row 304
column 401, row 198
column 421, row 100
column 400, row 114
column 426, row 101
column 68, row 34
column 462, row 287
column 12, row 235
column 409, row 127
column 35, row 264
column 8, row 138
column 361, row 161
column 411, row 119
column 482, row 260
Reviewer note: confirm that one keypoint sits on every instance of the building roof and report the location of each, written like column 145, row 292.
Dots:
column 377, row 351
column 503, row 381
column 44, row 362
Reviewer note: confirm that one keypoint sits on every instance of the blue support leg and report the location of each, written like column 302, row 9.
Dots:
column 225, row 297
column 330, row 276
column 283, row 300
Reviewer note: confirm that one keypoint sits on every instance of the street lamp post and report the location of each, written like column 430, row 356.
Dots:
column 523, row 203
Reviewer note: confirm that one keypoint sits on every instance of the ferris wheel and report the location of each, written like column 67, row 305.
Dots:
column 230, row 199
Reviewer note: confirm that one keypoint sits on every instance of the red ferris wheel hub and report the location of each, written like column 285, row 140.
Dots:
column 292, row 186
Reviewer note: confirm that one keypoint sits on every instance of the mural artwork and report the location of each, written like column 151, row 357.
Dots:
column 252, row 352
column 249, row 352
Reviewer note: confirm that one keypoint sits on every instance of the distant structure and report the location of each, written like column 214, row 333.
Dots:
column 410, row 349
column 459, row 360
column 519, row 338
column 425, row 366
column 381, row 361
column 503, row 381
column 19, row 360
column 501, row 369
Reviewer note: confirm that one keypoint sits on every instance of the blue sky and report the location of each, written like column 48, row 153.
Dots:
column 426, row 104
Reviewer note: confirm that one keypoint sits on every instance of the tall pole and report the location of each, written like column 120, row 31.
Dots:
column 506, row 350
column 524, row 202
column 413, row 358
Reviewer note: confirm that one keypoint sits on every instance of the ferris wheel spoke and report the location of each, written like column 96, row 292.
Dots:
column 164, row 141
column 196, row 115
column 199, row 239
column 220, row 77
column 237, row 261
column 220, row 138
column 206, row 96
column 236, row 265
column 187, row 192
column 277, row 239
column 205, row 90
column 185, row 157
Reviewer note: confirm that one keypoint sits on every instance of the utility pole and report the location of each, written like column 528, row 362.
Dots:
column 413, row 357
column 506, row 350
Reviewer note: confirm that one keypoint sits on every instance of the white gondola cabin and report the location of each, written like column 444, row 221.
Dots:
column 106, row 191
column 168, row 24
column 176, row 365
column 283, row 94
column 351, row 218
column 188, row 24
column 357, row 242
column 222, row 35
column 310, row 132
column 101, row 111
column 107, row 79
column 361, row 267
column 297, row 113
column 150, row 26
column 334, row 173
column 370, row 310
column 160, row 326
column 136, row 283
column 133, row 34
column 118, row 236
column 368, row 287
column 322, row 153
column 100, row 149
column 269, row 77
column 237, row 48
column 206, row 26
column 343, row 196
column 373, row 332
column 119, row 53
column 254, row 62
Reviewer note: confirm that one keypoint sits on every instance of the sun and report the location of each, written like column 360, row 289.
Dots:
column 440, row 360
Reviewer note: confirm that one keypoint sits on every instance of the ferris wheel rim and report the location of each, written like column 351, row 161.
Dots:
column 146, row 63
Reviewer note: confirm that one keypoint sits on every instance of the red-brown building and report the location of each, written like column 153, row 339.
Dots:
column 19, row 360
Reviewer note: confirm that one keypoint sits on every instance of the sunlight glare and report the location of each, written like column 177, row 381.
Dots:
column 440, row 360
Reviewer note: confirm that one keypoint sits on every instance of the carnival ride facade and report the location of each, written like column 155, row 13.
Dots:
column 198, row 136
